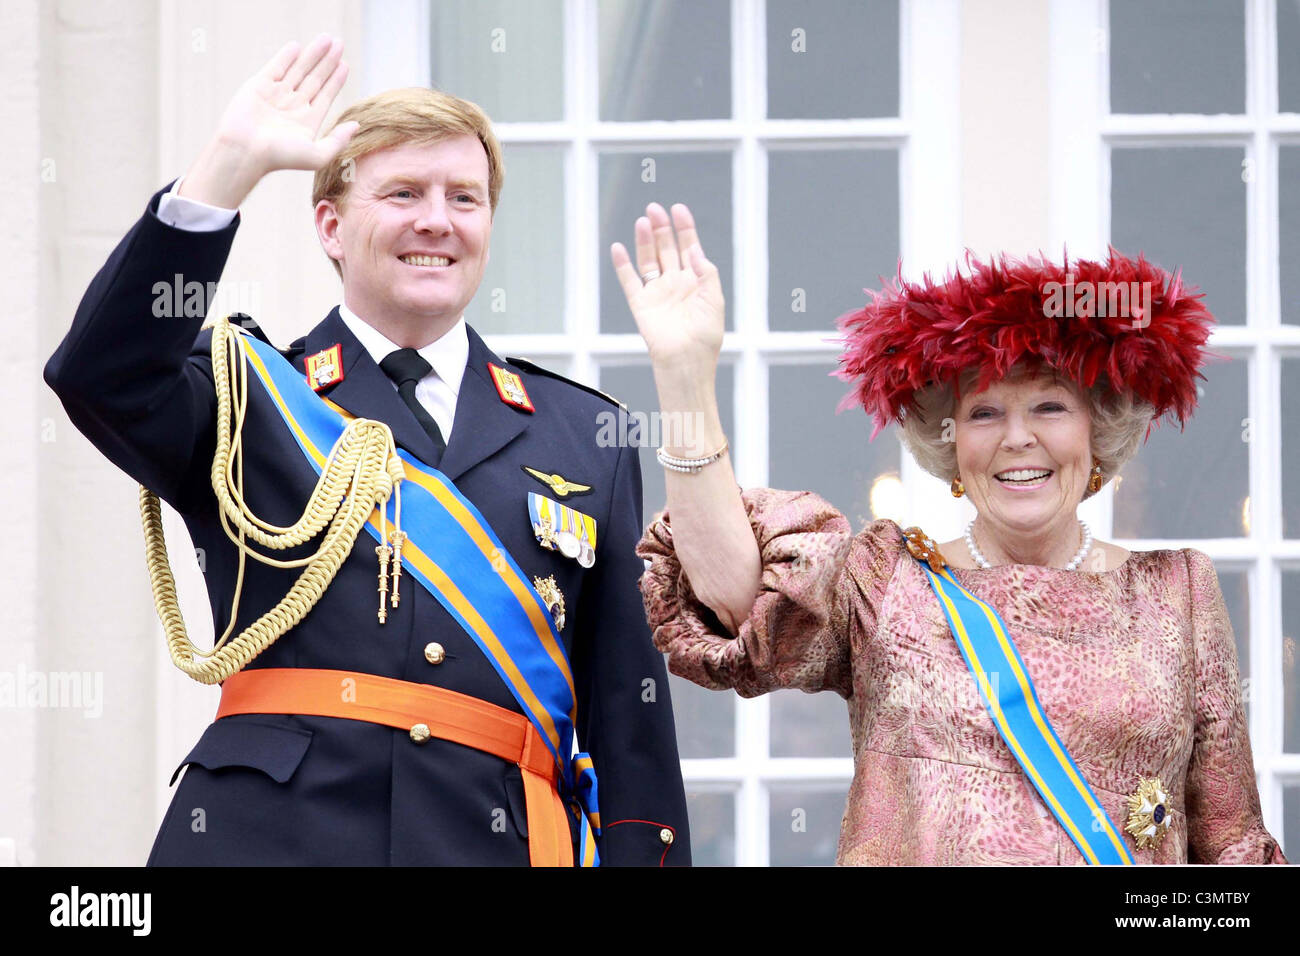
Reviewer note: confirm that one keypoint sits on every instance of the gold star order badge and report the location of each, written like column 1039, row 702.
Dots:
column 550, row 594
column 1149, row 815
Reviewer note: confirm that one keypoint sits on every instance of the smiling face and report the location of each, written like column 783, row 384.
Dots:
column 411, row 236
column 1024, row 453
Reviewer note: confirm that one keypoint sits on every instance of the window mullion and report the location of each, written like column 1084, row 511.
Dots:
column 749, row 231
column 582, row 232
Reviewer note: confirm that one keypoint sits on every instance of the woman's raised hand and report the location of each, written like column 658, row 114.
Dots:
column 674, row 292
column 676, row 297
column 272, row 123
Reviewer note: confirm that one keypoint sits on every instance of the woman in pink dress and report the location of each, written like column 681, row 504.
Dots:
column 1028, row 408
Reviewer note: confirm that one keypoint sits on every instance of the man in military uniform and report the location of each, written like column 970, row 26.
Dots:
column 426, row 727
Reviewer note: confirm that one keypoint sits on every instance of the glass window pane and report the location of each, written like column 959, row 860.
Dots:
column 1290, row 415
column 810, row 448
column 1177, row 56
column 832, row 60
column 1288, row 228
column 706, row 720
column 630, row 181
column 805, row 823
column 1235, row 584
column 634, row 386
column 1186, row 207
column 809, row 725
column 1291, row 821
column 521, row 290
column 1193, row 483
column 1288, row 64
column 1290, row 676
column 832, row 230
column 712, row 813
column 664, row 59
column 505, row 55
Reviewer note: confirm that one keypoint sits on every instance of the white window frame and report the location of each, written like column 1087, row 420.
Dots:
column 1083, row 135
column 926, row 135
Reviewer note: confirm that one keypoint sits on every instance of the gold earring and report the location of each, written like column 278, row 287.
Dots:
column 957, row 488
column 1094, row 480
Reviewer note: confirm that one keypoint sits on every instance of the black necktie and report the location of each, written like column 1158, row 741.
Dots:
column 406, row 367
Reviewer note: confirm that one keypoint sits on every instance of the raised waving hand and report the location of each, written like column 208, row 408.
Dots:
column 674, row 292
column 676, row 298
column 272, row 123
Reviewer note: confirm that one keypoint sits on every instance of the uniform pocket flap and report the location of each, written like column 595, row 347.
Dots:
column 273, row 749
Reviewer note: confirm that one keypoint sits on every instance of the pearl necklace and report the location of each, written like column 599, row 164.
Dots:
column 983, row 562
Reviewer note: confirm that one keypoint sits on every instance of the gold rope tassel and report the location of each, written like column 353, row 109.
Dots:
column 361, row 472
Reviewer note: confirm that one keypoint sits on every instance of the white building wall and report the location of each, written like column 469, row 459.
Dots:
column 105, row 102
column 20, row 426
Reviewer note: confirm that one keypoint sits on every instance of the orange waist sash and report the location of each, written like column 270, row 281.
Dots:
column 414, row 708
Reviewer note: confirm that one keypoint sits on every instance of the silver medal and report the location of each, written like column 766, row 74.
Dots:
column 570, row 547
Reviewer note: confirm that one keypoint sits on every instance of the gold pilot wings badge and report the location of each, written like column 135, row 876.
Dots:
column 561, row 487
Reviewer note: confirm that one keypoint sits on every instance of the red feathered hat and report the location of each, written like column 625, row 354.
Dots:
column 1128, row 319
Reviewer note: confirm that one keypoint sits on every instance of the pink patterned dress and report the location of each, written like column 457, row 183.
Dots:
column 1135, row 667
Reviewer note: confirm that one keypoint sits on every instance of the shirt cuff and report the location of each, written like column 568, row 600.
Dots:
column 192, row 215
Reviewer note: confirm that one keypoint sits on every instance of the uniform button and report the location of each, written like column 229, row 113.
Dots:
column 420, row 733
column 434, row 653
column 666, row 835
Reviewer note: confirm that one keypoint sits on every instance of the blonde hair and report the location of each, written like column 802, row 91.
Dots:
column 1118, row 422
column 412, row 115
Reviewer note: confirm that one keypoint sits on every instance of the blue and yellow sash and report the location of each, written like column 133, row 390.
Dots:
column 470, row 573
column 988, row 650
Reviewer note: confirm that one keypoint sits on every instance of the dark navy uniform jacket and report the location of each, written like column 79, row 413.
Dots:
column 283, row 789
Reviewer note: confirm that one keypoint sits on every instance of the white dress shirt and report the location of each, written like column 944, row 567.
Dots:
column 437, row 391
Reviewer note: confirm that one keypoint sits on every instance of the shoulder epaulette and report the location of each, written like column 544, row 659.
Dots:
column 295, row 348
column 245, row 322
column 528, row 366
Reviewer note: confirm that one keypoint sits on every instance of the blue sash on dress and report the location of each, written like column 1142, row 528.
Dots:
column 988, row 649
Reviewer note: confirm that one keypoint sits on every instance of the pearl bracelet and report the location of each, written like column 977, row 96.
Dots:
column 688, row 465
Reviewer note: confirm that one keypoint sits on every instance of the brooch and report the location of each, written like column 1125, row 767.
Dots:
column 923, row 548
column 1149, row 816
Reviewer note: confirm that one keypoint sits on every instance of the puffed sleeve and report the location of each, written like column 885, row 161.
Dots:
column 812, row 607
column 1224, row 824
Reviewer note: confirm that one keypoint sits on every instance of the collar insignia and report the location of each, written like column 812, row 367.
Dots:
column 510, row 387
column 325, row 368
